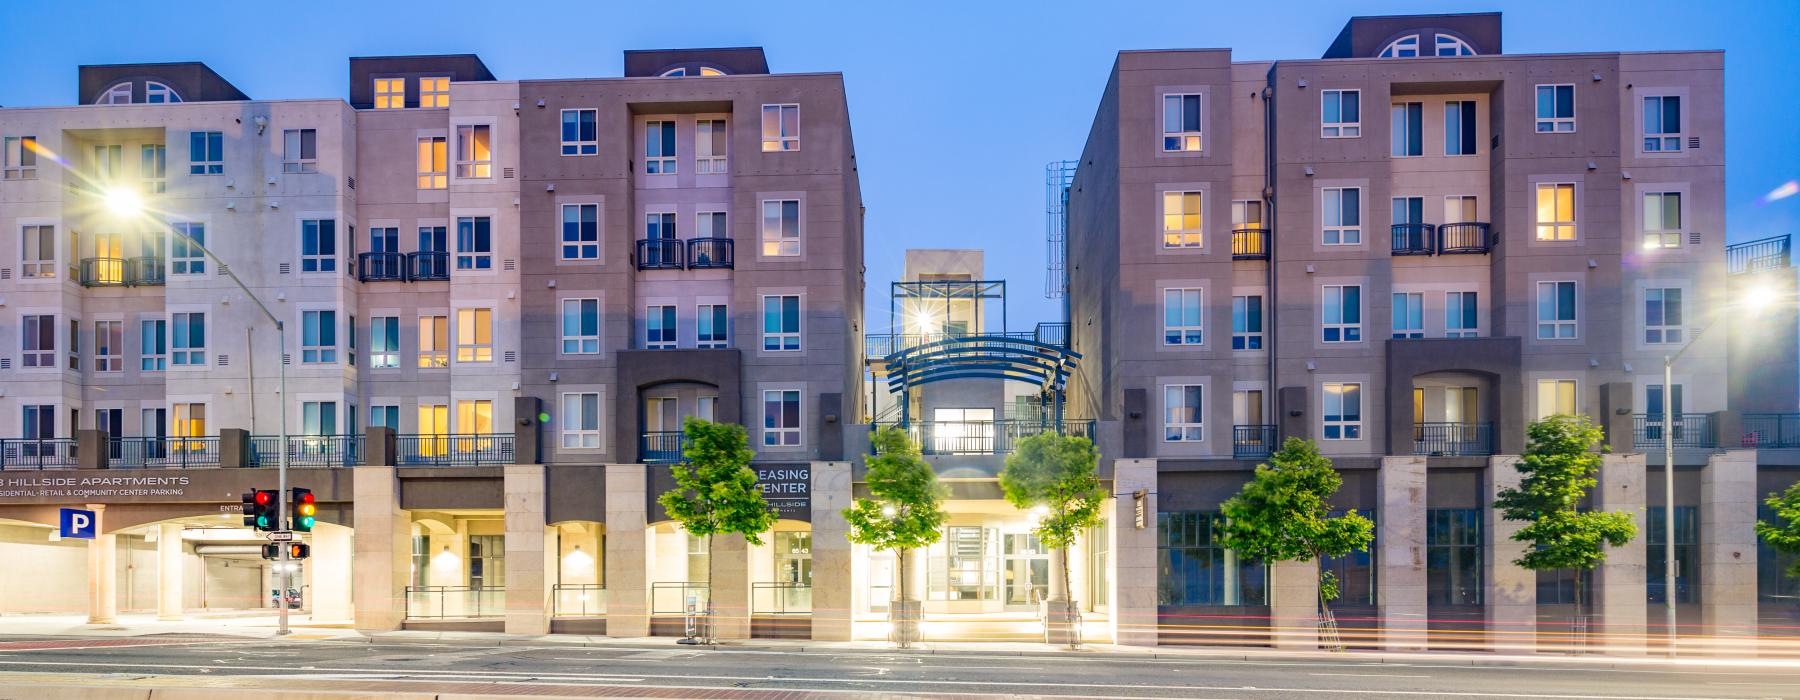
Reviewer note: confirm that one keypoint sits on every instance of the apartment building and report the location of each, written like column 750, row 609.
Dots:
column 1554, row 227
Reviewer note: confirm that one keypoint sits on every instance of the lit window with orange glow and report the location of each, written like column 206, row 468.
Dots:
column 434, row 92
column 390, row 93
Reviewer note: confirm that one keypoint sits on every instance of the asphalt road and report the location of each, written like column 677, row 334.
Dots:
column 677, row 671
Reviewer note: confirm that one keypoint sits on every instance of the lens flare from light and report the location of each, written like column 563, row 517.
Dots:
column 1787, row 189
column 123, row 202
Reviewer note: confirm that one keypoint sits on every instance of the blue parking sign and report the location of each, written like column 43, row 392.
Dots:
column 78, row 524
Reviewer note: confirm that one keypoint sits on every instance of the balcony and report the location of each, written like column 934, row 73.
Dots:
column 427, row 266
column 1465, row 238
column 1453, row 439
column 469, row 450
column 45, row 453
column 1771, row 430
column 102, row 272
column 307, row 450
column 144, row 271
column 1252, row 441
column 662, row 447
column 162, row 452
column 1758, row 255
column 987, row 437
column 708, row 254
column 660, row 254
column 1690, row 431
column 381, row 267
column 1250, row 244
column 1050, row 333
column 1414, row 239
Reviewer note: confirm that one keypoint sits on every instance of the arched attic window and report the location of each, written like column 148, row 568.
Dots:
column 1403, row 47
column 692, row 70
column 119, row 94
column 1451, row 46
column 157, row 93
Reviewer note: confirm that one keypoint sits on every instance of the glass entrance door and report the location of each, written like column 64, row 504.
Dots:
column 1027, row 578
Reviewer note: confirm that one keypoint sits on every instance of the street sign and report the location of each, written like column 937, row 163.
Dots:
column 281, row 537
column 77, row 524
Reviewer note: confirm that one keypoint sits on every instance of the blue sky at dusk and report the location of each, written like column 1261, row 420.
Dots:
column 956, row 107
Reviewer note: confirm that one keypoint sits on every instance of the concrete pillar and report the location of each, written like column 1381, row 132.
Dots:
column 1728, row 552
column 91, row 449
column 1294, row 604
column 169, row 563
column 383, row 549
column 627, row 587
column 103, row 572
column 832, row 586
column 331, row 570
column 1511, row 590
column 1133, row 578
column 730, row 585
column 527, row 552
column 1400, row 539
column 1619, row 605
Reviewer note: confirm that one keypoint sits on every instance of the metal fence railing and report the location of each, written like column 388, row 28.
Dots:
column 1453, row 439
column 1755, row 256
column 144, row 271
column 986, row 437
column 578, row 600
column 307, row 450
column 1413, row 239
column 1464, row 237
column 709, row 253
column 1250, row 243
column 661, row 254
column 454, row 602
column 1052, row 333
column 427, row 265
column 380, row 266
column 780, row 598
column 1771, row 430
column 1688, row 430
column 662, row 447
column 45, row 453
column 453, row 450
column 678, row 597
column 1252, row 441
column 162, row 452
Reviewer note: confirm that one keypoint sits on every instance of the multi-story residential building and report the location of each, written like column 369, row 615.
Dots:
column 1554, row 227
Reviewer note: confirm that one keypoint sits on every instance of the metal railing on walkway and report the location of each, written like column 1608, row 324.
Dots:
column 1453, row 439
column 986, row 437
column 675, row 597
column 1771, row 430
column 453, row 450
column 307, row 450
column 1770, row 253
column 578, row 600
column 1689, row 430
column 162, row 452
column 454, row 602
column 33, row 453
column 780, row 598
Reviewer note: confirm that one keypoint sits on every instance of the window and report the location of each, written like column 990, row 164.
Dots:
column 1451, row 46
column 659, row 327
column 1343, row 411
column 659, row 147
column 1342, row 314
column 38, row 341
column 580, row 132
column 1555, row 108
column 116, row 95
column 300, row 151
column 434, row 171
column 1195, row 568
column 1246, row 214
column 1181, row 219
column 581, row 420
column 474, row 335
column 185, row 257
column 474, row 243
column 1409, row 315
column 189, row 421
column 37, row 260
column 1403, row 47
column 74, row 343
column 109, row 346
column 580, row 326
column 1453, row 556
column 1247, row 323
column 1662, row 124
column 1653, row 412
column 318, row 245
column 434, row 341
column 1662, row 316
column 189, row 339
column 434, row 92
column 21, row 158
column 153, row 345
column 1342, row 223
column 1459, row 128
column 434, row 419
column 474, row 155
column 580, row 231
column 710, row 224
column 390, row 93
column 781, row 418
column 1459, row 209
column 39, row 424
column 1340, row 116
column 1184, row 419
column 154, row 168
column 1555, row 397
column 433, row 238
column 350, row 355
column 1460, row 318
column 1556, row 310
column 709, row 147
column 384, row 417
column 109, row 162
column 781, row 227
column 487, row 562
column 1183, row 317
column 1662, row 220
column 384, row 342
column 475, row 417
column 1181, row 123
column 780, row 128
column 714, row 326
column 157, row 93
column 318, row 333
column 1687, row 554
column 781, row 322
column 1408, row 210
column 1555, row 211
column 1409, row 130
column 318, row 418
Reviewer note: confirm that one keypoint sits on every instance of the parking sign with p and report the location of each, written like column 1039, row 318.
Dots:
column 78, row 524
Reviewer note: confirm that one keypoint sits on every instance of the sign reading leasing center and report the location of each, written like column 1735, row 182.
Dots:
column 787, row 487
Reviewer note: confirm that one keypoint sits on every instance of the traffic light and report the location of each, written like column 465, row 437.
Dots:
column 299, row 550
column 260, row 511
column 302, row 510
column 271, row 551
column 250, row 509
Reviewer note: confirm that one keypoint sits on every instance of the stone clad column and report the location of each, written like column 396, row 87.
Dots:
column 332, row 573
column 383, row 546
column 103, row 571
column 1728, row 552
column 168, row 572
column 832, row 588
column 1619, row 583
column 527, row 587
column 1511, row 593
column 1133, row 579
column 627, row 588
column 730, row 585
column 1294, row 604
column 1400, row 519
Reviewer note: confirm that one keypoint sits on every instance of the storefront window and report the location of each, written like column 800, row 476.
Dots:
column 1194, row 569
column 1773, row 585
column 1687, row 554
column 1453, row 556
column 421, row 561
column 696, row 558
column 968, row 568
column 1355, row 571
column 1099, row 547
column 487, row 561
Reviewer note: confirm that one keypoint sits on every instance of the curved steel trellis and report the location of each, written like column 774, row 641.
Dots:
column 982, row 357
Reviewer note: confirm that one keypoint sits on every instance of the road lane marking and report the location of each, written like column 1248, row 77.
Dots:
column 1368, row 675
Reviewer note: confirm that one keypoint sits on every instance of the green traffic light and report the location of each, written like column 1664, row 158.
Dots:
column 306, row 523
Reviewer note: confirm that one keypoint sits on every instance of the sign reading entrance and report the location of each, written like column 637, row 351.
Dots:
column 787, row 487
column 77, row 524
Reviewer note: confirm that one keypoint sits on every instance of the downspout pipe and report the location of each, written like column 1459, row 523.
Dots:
column 1271, row 325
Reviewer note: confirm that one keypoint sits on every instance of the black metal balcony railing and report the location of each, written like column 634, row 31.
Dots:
column 662, row 447
column 454, row 450
column 1050, row 333
column 1252, row 441
column 102, row 272
column 427, row 265
column 1758, row 255
column 162, row 452
column 660, row 254
column 1453, row 439
column 144, row 271
column 1688, row 430
column 380, row 267
column 1250, row 244
column 307, row 450
column 1473, row 237
column 987, row 437
column 46, row 453
column 1413, row 239
column 1771, row 430
column 709, row 254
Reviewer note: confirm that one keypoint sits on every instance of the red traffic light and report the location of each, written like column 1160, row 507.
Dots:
column 303, row 496
column 264, row 498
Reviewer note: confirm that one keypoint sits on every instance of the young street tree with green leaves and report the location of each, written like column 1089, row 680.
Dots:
column 904, row 512
column 1061, row 474
column 1284, row 514
column 1784, row 532
column 1558, row 467
column 716, row 492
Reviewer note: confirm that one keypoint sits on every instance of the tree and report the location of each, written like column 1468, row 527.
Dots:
column 1558, row 466
column 1061, row 474
column 905, row 511
column 1784, row 532
column 1284, row 514
column 715, row 490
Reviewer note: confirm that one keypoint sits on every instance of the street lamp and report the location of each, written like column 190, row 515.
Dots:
column 125, row 204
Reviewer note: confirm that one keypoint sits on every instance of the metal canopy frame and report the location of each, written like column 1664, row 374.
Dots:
column 982, row 357
column 923, row 293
